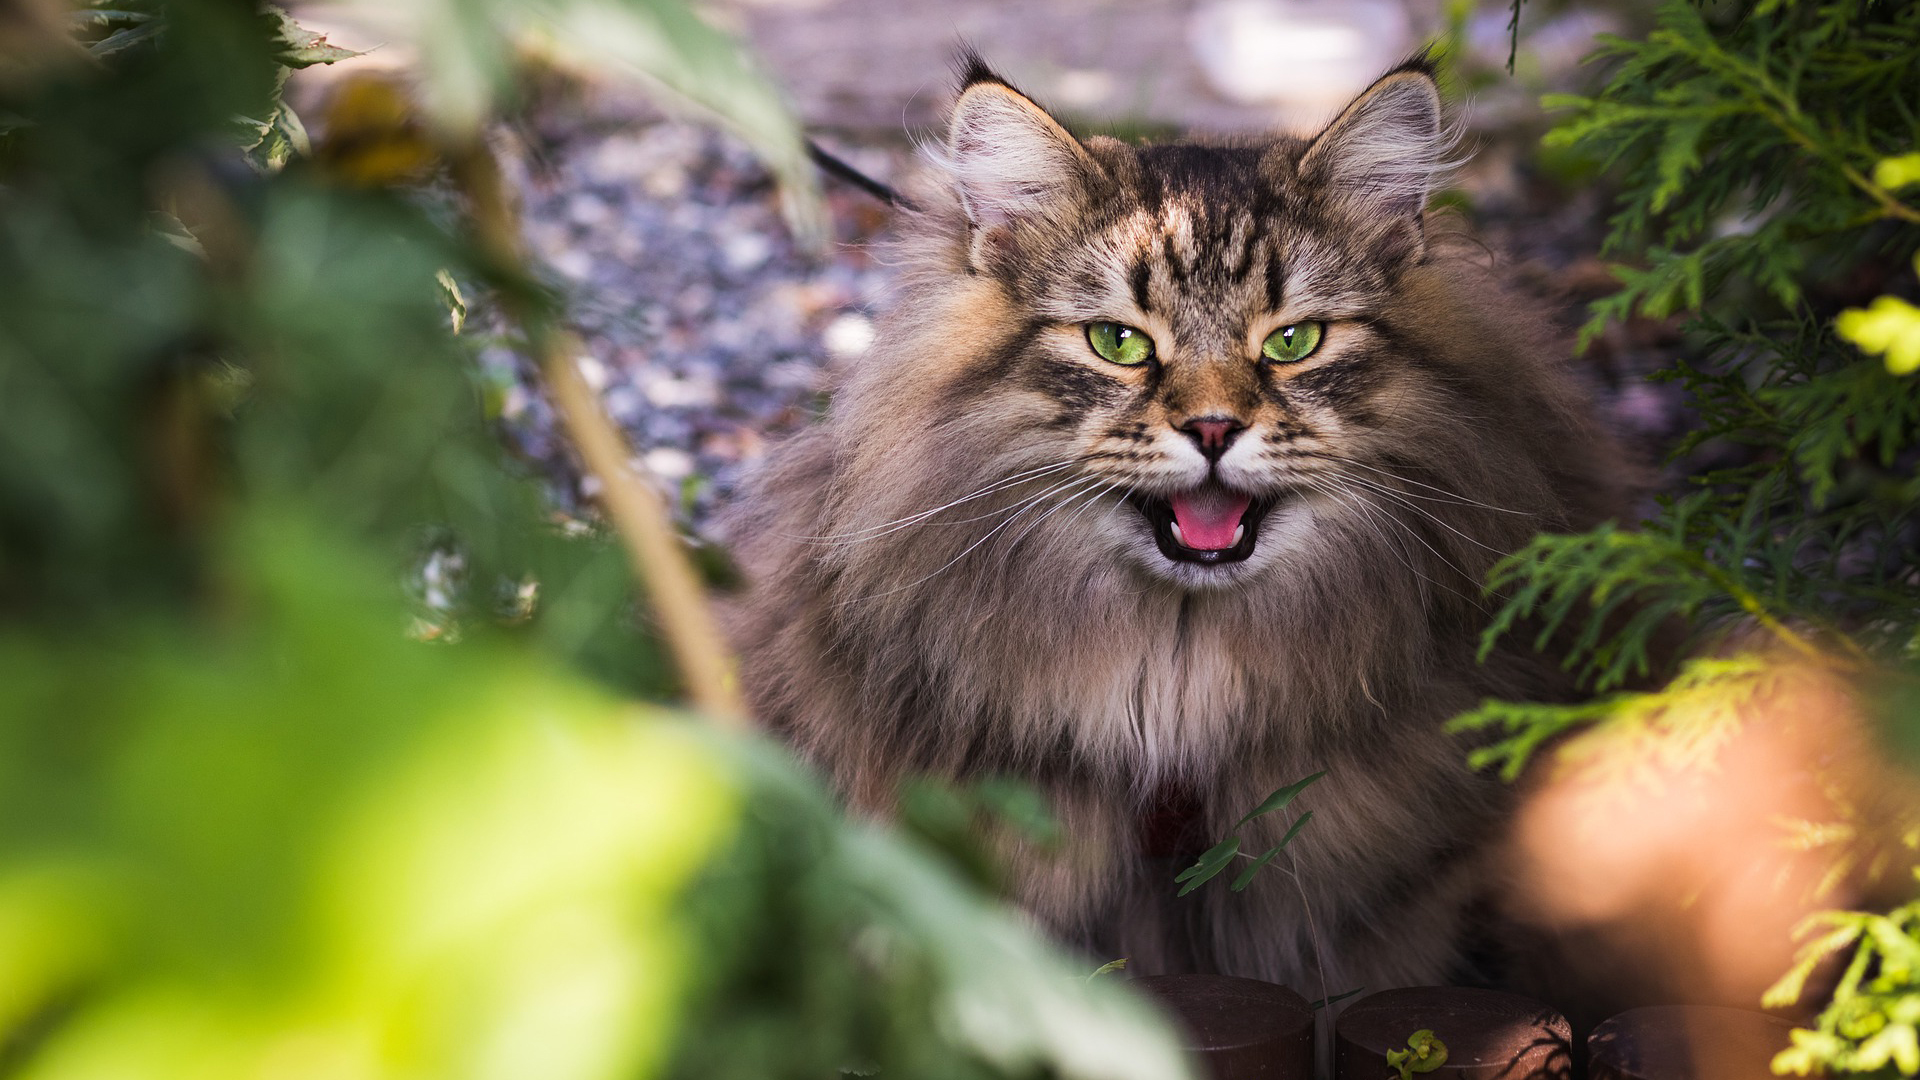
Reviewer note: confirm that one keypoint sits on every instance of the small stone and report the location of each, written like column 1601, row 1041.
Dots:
column 588, row 210
column 623, row 403
column 746, row 251
column 669, row 392
column 618, row 161
column 572, row 262
column 627, row 247
column 848, row 335
column 665, row 182
column 668, row 463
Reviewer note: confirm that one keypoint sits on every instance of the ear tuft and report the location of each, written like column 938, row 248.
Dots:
column 973, row 70
column 1388, row 150
column 1007, row 157
column 1420, row 63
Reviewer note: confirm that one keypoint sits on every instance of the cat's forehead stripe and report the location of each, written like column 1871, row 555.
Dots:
column 1245, row 237
column 1204, row 249
column 1140, row 278
column 1187, row 250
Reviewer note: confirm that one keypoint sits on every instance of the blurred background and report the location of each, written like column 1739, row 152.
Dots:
column 370, row 373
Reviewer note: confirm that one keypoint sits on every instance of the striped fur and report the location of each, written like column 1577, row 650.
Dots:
column 947, row 574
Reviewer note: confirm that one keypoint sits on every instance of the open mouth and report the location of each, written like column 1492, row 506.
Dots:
column 1209, row 525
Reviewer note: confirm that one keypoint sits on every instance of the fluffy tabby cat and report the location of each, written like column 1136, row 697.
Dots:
column 1170, row 479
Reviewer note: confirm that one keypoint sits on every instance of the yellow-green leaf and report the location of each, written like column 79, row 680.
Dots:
column 1895, row 173
column 299, row 47
column 1890, row 327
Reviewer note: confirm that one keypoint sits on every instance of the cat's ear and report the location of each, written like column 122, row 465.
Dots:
column 1387, row 150
column 1008, row 158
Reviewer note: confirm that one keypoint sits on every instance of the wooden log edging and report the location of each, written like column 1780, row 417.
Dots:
column 1245, row 1029
column 1686, row 1042
column 1240, row 1029
column 1488, row 1035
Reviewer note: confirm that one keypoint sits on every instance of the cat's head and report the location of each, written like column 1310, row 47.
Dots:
column 1231, row 343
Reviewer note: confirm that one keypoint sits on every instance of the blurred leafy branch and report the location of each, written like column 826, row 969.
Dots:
column 248, row 824
column 1763, row 157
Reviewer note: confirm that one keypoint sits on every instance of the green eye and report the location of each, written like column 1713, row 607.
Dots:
column 1291, row 343
column 1120, row 344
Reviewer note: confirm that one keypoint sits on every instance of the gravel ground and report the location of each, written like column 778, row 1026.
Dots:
column 709, row 333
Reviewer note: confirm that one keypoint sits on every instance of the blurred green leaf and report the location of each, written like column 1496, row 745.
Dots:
column 94, row 17
column 467, row 51
column 298, row 47
column 121, row 40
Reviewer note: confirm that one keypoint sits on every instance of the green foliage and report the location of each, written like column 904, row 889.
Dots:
column 1687, row 719
column 1424, row 1053
column 1742, row 139
column 1593, row 577
column 1221, row 855
column 465, row 48
column 291, row 831
column 1762, row 156
column 1873, row 1025
column 1891, row 327
column 250, row 822
column 1792, row 105
column 830, row 947
column 971, row 824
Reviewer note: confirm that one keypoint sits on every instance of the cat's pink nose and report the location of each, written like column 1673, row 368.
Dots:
column 1213, row 434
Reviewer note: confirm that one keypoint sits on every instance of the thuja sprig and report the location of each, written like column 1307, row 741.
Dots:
column 1794, row 106
column 1873, row 1022
column 1689, row 716
column 1764, row 157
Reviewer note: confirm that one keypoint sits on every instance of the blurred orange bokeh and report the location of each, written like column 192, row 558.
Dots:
column 1673, row 854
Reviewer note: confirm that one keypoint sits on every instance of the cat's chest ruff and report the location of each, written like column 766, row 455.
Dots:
column 1171, row 700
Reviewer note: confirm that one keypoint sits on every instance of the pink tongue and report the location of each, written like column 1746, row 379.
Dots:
column 1208, row 517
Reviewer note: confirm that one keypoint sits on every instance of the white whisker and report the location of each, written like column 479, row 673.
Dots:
column 1022, row 509
column 1400, row 497
column 875, row 531
column 1376, row 515
column 1452, row 496
column 1097, row 492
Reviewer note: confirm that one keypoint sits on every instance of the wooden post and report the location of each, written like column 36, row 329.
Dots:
column 1686, row 1042
column 1240, row 1029
column 1487, row 1035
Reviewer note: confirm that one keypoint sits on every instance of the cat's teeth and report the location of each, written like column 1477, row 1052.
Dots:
column 1238, row 532
column 1177, row 538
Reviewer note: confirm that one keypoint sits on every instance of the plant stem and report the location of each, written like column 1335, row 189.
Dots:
column 646, row 530
column 639, row 516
